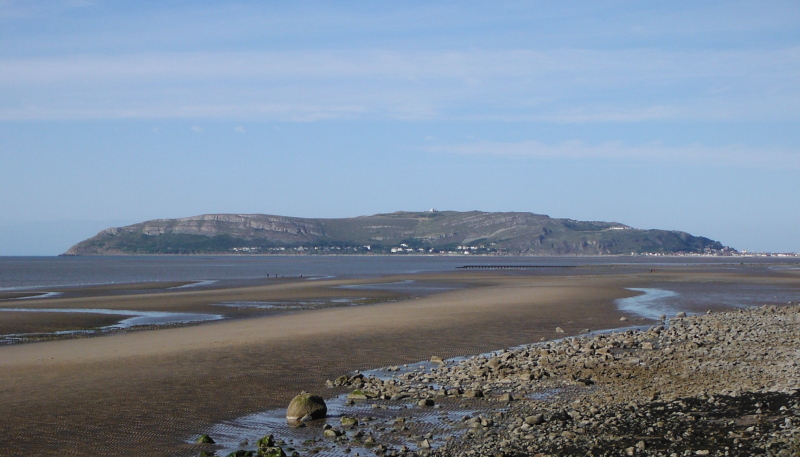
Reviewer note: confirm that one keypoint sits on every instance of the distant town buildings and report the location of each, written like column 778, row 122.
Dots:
column 480, row 249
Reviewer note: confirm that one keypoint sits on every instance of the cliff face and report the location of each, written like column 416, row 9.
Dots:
column 401, row 232
column 238, row 225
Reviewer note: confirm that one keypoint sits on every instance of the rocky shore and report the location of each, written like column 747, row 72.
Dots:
column 724, row 384
column 721, row 384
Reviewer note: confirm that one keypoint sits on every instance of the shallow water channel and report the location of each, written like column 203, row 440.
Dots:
column 128, row 319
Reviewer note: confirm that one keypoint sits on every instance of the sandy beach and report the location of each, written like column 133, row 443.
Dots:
column 148, row 392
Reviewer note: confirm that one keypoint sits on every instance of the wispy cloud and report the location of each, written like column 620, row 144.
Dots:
column 567, row 85
column 693, row 154
column 15, row 9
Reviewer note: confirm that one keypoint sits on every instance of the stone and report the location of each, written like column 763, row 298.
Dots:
column 349, row 421
column 559, row 330
column 306, row 404
column 437, row 359
column 536, row 419
column 205, row 439
column 357, row 395
column 266, row 441
column 341, row 380
column 275, row 451
column 241, row 453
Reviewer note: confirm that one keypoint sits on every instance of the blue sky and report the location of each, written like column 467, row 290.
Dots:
column 674, row 115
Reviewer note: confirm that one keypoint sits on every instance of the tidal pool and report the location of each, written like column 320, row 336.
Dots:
column 651, row 304
column 699, row 298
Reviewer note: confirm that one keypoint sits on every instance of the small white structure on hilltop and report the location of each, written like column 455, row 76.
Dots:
column 432, row 210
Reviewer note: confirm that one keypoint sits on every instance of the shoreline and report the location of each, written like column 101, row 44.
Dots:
column 568, row 385
column 88, row 279
column 147, row 391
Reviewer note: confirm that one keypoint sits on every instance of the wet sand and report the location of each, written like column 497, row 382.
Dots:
column 148, row 392
column 15, row 322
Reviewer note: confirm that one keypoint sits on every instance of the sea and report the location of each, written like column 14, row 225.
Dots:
column 23, row 273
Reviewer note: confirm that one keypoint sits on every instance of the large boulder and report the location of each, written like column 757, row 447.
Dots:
column 304, row 405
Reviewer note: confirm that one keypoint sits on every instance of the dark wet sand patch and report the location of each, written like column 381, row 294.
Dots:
column 16, row 322
column 19, row 295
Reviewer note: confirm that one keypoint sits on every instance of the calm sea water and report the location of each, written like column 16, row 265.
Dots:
column 42, row 272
